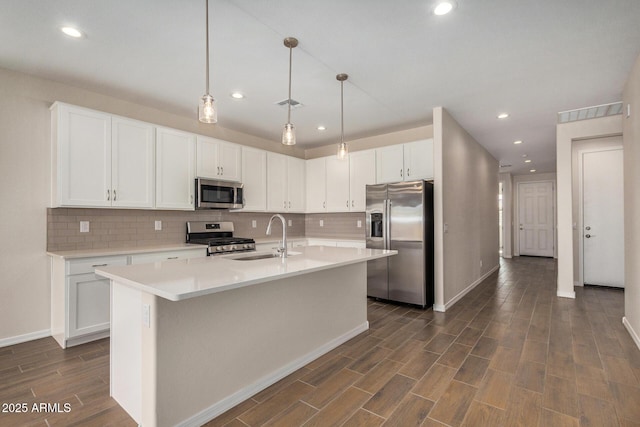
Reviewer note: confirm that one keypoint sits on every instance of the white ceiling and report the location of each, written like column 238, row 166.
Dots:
column 529, row 58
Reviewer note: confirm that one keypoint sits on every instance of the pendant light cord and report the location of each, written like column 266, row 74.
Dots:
column 289, row 101
column 342, row 112
column 207, row 46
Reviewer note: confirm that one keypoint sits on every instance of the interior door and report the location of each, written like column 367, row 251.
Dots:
column 603, row 218
column 535, row 202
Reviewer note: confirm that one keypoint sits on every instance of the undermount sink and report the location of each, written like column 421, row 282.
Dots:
column 257, row 256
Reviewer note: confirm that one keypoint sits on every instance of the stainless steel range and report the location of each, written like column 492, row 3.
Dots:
column 218, row 236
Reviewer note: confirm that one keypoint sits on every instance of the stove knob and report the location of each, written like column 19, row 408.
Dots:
column 219, row 248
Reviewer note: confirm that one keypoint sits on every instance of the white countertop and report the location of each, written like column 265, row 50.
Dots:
column 88, row 253
column 177, row 280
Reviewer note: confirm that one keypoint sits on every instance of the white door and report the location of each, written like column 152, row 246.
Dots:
column 603, row 218
column 535, row 201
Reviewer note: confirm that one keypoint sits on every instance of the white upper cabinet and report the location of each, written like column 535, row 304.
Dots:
column 405, row 162
column 132, row 163
column 337, row 184
column 362, row 172
column 296, row 184
column 316, row 185
column 175, row 169
column 218, row 159
column 82, row 143
column 418, row 160
column 102, row 161
column 254, row 178
column 285, row 183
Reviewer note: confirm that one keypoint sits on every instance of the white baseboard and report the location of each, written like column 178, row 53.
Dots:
column 562, row 294
column 443, row 308
column 631, row 331
column 241, row 395
column 5, row 342
column 576, row 283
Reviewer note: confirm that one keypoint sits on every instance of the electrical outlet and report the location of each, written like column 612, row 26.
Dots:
column 359, row 224
column 146, row 315
column 254, row 223
column 158, row 225
column 322, row 223
column 290, row 223
column 84, row 226
column 446, row 227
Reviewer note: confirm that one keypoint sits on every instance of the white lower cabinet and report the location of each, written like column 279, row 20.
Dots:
column 80, row 300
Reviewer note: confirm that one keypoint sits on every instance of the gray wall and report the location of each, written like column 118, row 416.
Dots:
column 468, row 199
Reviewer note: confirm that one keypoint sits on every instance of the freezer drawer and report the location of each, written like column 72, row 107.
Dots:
column 377, row 278
column 407, row 273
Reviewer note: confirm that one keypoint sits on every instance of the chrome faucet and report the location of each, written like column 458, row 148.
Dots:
column 282, row 251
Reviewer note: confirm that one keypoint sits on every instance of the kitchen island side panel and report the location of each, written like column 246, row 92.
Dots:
column 211, row 352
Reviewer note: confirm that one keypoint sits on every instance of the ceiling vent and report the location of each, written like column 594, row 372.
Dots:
column 587, row 113
column 294, row 104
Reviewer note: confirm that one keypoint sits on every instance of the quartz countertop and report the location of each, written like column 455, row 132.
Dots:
column 177, row 280
column 88, row 253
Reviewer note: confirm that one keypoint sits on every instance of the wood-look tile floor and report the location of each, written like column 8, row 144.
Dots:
column 510, row 353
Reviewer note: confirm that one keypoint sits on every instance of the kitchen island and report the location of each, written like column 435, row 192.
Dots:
column 192, row 338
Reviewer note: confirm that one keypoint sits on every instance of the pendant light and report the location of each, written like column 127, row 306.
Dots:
column 342, row 148
column 289, row 132
column 207, row 110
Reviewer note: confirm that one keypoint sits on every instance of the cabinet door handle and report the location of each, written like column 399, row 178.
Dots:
column 99, row 265
column 408, row 171
column 401, row 171
column 324, row 205
column 218, row 167
column 347, row 203
column 114, row 195
column 353, row 204
column 221, row 170
column 191, row 199
column 172, row 257
column 108, row 195
column 289, row 204
column 284, row 204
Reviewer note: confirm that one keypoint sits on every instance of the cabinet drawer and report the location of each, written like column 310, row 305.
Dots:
column 88, row 265
column 164, row 256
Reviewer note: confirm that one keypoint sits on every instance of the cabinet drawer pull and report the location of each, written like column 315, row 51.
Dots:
column 99, row 265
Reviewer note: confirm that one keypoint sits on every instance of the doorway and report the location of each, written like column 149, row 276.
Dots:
column 536, row 220
column 602, row 228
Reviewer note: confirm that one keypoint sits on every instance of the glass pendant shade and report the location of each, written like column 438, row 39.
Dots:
column 289, row 135
column 207, row 111
column 343, row 151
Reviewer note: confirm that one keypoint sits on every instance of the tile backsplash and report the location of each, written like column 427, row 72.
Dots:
column 120, row 228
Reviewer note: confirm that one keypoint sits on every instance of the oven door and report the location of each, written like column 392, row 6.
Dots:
column 211, row 194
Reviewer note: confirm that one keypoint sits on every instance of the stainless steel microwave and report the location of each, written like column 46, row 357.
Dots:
column 213, row 194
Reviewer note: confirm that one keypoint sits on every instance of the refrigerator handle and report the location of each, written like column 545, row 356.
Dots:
column 387, row 224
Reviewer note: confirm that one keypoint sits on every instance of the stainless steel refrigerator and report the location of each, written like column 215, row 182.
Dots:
column 399, row 216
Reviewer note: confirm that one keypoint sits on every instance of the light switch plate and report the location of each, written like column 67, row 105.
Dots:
column 254, row 223
column 321, row 223
column 84, row 226
column 359, row 224
column 158, row 225
column 290, row 223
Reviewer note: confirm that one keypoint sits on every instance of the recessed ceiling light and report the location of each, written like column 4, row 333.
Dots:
column 71, row 32
column 503, row 115
column 532, row 170
column 528, row 161
column 524, row 155
column 443, row 8
column 321, row 128
column 517, row 142
column 237, row 95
